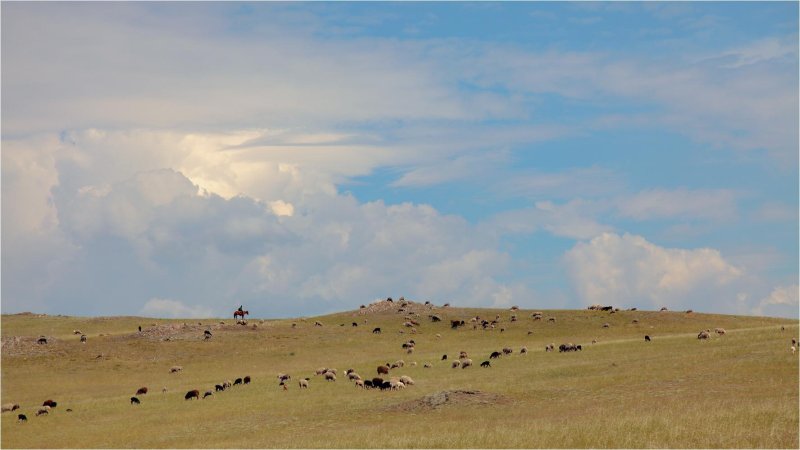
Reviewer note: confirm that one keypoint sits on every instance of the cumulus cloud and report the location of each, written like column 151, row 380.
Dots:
column 781, row 298
column 164, row 307
column 629, row 270
column 575, row 219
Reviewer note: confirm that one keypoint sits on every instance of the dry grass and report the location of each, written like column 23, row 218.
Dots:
column 739, row 390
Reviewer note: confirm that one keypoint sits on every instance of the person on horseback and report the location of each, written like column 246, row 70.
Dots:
column 240, row 308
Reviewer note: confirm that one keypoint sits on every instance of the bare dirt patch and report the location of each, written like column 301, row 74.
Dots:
column 449, row 398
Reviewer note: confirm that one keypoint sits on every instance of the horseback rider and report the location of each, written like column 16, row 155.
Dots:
column 240, row 308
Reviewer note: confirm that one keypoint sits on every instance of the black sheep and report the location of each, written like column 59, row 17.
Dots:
column 192, row 394
column 494, row 355
column 135, row 401
column 486, row 364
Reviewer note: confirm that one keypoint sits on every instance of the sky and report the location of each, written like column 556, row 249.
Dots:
column 182, row 159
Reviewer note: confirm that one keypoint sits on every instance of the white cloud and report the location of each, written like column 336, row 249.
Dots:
column 574, row 219
column 785, row 297
column 158, row 307
column 680, row 203
column 628, row 270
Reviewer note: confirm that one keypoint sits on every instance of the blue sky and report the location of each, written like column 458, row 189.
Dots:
column 180, row 159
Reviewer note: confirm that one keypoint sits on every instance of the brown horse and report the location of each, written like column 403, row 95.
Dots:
column 238, row 313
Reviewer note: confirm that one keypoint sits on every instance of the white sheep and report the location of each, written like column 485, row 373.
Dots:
column 175, row 369
column 353, row 376
column 456, row 364
column 523, row 350
column 330, row 376
column 10, row 407
column 466, row 363
column 303, row 383
column 427, row 366
column 360, row 383
column 794, row 349
column 407, row 380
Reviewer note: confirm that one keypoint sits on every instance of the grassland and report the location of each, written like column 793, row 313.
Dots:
column 739, row 390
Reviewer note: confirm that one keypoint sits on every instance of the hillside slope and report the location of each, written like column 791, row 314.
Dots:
column 735, row 390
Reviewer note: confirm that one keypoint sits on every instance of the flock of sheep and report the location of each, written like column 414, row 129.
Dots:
column 378, row 382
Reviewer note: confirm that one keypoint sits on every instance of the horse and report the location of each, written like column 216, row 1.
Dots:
column 240, row 313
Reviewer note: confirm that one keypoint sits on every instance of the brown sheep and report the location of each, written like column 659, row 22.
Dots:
column 703, row 335
column 141, row 391
column 719, row 331
column 192, row 394
column 383, row 370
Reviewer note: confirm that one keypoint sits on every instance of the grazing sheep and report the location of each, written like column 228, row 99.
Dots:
column 219, row 387
column 664, row 308
column 164, row 390
column 175, row 369
column 551, row 319
column 689, row 311
column 354, row 324
column 353, row 376
column 444, row 357
column 83, row 338
column 320, row 371
column 208, row 394
column 606, row 325
column 486, row 364
column 635, row 321
column 50, row 403
column 41, row 340
column 141, row 391
column 376, row 330
column 22, row 418
column 549, row 348
column 463, row 355
column 192, row 394
column 383, row 370
column 523, row 350
column 507, row 351
column 400, row 363
column 495, row 355
column 647, row 338
column 42, row 411
column 329, row 376
column 237, row 381
column 719, row 331
column 376, row 382
column 317, row 323
column 227, row 384
column 360, row 383
column 456, row 364
column 396, row 385
column 466, row 363
column 427, row 366
column 405, row 379
column 703, row 335
column 10, row 407
column 135, row 401
column 303, row 383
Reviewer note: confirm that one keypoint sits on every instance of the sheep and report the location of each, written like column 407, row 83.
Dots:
column 794, row 349
column 303, row 383
column 444, row 357
column 507, row 351
column 606, row 325
column 406, row 380
column 330, row 376
column 663, row 308
column 333, row 371
column 647, row 338
column 466, row 363
column 463, row 355
column 635, row 321
column 42, row 411
column 383, row 370
column 317, row 323
column 360, row 383
column 208, row 394
column 22, row 418
column 400, row 363
column 219, row 387
column 227, row 384
column 703, row 335
column 523, row 350
column 376, row 330
column 551, row 319
column 719, row 331
column 549, row 348
column 354, row 324
column 456, row 364
column 50, row 403
column 427, row 366
column 396, row 385
column 353, row 376
column 175, row 369
column 41, row 340
column 237, row 381
column 135, row 401
column 192, row 394
column 413, row 364
column 495, row 355
column 164, row 390
column 83, row 339
column 486, row 364
column 141, row 391
column 10, row 407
